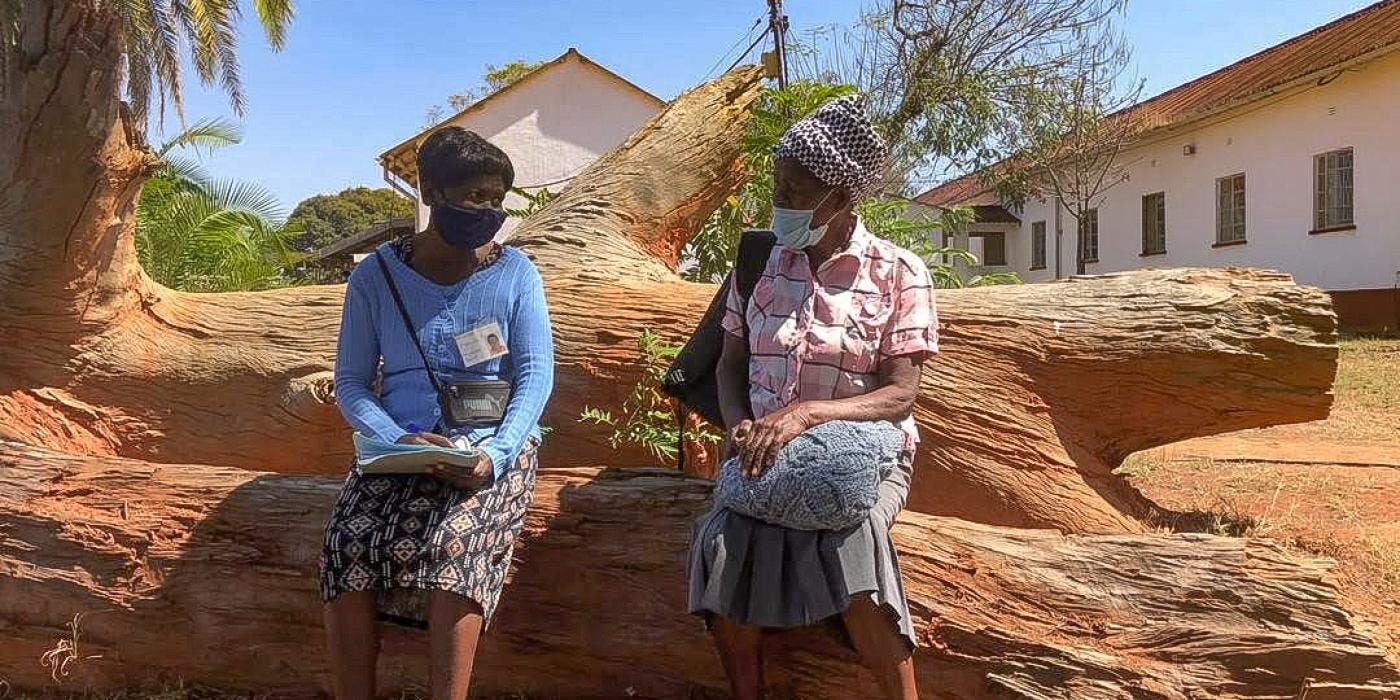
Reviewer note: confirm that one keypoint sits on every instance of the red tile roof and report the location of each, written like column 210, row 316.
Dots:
column 1358, row 36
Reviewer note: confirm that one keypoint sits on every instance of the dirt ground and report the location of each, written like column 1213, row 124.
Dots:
column 1329, row 487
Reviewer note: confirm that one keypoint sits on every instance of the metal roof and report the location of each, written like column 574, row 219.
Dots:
column 350, row 243
column 1317, row 55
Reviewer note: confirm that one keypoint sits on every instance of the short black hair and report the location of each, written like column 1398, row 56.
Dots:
column 452, row 155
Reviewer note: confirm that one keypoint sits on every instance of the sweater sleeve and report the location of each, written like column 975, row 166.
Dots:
column 357, row 364
column 532, row 348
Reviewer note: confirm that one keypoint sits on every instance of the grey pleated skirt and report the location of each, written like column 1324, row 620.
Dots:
column 757, row 573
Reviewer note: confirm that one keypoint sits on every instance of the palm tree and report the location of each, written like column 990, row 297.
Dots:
column 155, row 29
column 198, row 234
column 78, row 79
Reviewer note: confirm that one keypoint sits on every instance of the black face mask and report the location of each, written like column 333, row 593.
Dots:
column 467, row 229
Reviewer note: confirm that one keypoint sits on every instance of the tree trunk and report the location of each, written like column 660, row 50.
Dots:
column 71, row 166
column 207, row 574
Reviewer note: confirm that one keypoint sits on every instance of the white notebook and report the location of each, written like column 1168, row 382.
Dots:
column 376, row 457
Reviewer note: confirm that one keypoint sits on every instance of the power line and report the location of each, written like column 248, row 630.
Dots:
column 730, row 50
column 746, row 52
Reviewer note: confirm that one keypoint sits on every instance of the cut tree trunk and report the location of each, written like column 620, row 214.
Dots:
column 207, row 574
column 1040, row 393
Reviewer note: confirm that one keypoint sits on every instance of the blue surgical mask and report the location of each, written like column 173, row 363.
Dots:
column 467, row 229
column 793, row 227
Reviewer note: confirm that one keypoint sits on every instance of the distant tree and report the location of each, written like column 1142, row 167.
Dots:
column 1071, row 141
column 327, row 218
column 952, row 83
column 493, row 79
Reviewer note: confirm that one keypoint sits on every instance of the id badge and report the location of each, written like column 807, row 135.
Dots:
column 482, row 343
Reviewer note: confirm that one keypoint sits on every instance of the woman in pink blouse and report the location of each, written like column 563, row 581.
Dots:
column 836, row 328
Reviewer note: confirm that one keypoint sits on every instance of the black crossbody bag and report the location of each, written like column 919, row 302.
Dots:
column 464, row 403
column 691, row 377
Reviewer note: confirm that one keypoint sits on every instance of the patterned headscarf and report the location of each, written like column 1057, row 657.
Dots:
column 839, row 145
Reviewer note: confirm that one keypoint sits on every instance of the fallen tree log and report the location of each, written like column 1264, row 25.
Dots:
column 203, row 573
column 1041, row 392
column 206, row 574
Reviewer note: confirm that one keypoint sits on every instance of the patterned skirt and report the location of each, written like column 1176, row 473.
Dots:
column 402, row 536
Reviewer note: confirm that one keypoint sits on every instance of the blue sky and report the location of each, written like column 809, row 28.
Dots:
column 357, row 76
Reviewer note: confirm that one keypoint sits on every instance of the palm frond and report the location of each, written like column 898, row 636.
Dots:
column 154, row 30
column 219, row 236
column 138, row 85
column 248, row 197
column 184, row 171
column 207, row 134
column 275, row 16
column 152, row 56
column 165, row 57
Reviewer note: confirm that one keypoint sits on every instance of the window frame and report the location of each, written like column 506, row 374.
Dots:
column 1238, row 209
column 1324, row 196
column 1154, row 211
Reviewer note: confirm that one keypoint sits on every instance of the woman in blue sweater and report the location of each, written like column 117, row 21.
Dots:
column 435, row 549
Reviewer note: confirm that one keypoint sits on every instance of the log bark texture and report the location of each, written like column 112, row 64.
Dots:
column 205, row 573
column 208, row 574
column 1040, row 393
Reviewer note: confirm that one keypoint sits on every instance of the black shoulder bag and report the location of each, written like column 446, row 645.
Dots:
column 466, row 403
column 691, row 376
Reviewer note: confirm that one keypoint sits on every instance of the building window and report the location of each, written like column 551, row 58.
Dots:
column 1038, row 245
column 1089, row 235
column 1229, row 210
column 1332, row 183
column 993, row 247
column 1154, row 223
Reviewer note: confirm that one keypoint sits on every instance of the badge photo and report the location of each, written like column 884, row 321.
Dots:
column 482, row 343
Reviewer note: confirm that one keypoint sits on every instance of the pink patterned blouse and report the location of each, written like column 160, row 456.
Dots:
column 816, row 337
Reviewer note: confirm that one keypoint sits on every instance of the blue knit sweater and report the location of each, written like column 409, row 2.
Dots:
column 509, row 292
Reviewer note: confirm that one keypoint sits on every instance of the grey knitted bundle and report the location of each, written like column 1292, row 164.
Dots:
column 827, row 478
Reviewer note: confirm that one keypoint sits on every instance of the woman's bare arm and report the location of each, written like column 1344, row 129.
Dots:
column 732, row 380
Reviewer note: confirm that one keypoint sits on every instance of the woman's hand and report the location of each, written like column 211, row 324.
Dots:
column 768, row 435
column 472, row 478
column 734, row 438
column 430, row 439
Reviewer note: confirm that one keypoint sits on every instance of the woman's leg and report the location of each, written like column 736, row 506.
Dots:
column 884, row 650
column 454, row 627
column 353, row 645
column 740, row 650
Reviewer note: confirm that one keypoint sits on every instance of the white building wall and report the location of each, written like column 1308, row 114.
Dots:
column 555, row 125
column 1273, row 144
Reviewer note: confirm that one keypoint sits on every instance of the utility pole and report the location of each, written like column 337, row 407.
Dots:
column 777, row 25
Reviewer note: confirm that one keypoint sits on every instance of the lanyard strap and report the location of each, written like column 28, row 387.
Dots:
column 407, row 321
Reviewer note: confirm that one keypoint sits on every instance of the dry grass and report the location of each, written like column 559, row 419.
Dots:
column 60, row 659
column 1367, row 406
column 1348, row 513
